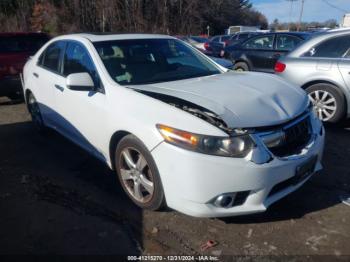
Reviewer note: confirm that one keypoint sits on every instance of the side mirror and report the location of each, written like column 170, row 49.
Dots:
column 80, row 82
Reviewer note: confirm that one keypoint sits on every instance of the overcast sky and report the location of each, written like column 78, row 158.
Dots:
column 314, row 10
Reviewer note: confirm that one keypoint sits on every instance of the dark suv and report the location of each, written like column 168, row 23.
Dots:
column 260, row 53
column 15, row 49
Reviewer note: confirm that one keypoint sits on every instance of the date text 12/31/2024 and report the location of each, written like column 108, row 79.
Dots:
column 173, row 258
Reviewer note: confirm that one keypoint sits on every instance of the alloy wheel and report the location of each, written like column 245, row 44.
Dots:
column 136, row 175
column 324, row 103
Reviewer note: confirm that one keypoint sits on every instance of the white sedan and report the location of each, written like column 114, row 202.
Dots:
column 178, row 129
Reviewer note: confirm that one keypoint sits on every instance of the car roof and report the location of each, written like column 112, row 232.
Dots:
column 94, row 37
column 315, row 39
column 299, row 34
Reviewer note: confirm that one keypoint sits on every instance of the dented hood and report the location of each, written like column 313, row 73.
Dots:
column 242, row 100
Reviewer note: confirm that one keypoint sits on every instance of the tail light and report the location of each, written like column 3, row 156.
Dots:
column 226, row 43
column 206, row 45
column 279, row 67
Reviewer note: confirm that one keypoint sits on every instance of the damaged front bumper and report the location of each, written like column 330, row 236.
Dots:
column 194, row 182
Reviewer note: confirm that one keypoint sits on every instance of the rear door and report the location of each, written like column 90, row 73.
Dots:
column 46, row 76
column 259, row 52
column 284, row 44
column 332, row 58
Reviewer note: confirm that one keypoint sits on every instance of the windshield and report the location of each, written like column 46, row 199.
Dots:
column 145, row 61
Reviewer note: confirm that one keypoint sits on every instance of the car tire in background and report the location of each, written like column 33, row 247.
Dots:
column 241, row 66
column 328, row 101
column 135, row 167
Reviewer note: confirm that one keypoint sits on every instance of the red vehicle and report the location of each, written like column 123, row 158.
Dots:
column 15, row 49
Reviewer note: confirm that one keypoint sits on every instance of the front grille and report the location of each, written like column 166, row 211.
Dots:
column 295, row 138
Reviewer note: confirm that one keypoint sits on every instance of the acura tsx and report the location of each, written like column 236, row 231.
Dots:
column 178, row 129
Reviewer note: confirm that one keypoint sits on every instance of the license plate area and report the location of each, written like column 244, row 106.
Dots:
column 305, row 170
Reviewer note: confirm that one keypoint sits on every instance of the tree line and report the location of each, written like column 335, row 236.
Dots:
column 176, row 17
column 304, row 26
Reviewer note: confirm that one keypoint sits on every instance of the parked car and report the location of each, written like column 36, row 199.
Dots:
column 196, row 41
column 261, row 52
column 222, row 39
column 240, row 37
column 321, row 66
column 223, row 62
column 216, row 44
column 15, row 49
column 177, row 129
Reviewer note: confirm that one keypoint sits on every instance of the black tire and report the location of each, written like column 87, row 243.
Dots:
column 34, row 110
column 156, row 201
column 241, row 66
column 336, row 94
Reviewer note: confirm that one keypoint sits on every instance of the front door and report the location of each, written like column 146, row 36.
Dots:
column 83, row 112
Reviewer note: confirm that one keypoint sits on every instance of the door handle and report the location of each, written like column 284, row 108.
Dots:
column 61, row 88
column 36, row 75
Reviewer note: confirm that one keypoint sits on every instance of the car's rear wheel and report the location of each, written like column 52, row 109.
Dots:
column 35, row 113
column 241, row 66
column 328, row 102
column 138, row 174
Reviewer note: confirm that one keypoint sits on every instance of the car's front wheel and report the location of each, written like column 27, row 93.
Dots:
column 138, row 174
column 328, row 102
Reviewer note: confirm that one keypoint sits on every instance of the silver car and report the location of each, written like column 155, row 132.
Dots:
column 321, row 66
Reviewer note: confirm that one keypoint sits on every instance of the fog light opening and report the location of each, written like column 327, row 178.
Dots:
column 225, row 200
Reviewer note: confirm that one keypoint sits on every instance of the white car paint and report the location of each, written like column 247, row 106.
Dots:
column 190, row 180
column 254, row 100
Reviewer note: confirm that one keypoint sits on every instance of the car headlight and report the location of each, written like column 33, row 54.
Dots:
column 236, row 146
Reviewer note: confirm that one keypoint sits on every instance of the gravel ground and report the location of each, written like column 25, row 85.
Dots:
column 56, row 199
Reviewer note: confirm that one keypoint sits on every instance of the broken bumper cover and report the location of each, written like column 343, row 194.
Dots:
column 192, row 180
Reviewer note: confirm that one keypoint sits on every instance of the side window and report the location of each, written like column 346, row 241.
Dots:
column 225, row 38
column 243, row 36
column 215, row 39
column 287, row 42
column 261, row 42
column 332, row 48
column 51, row 59
column 77, row 60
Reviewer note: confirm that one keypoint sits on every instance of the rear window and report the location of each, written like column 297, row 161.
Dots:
column 18, row 44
